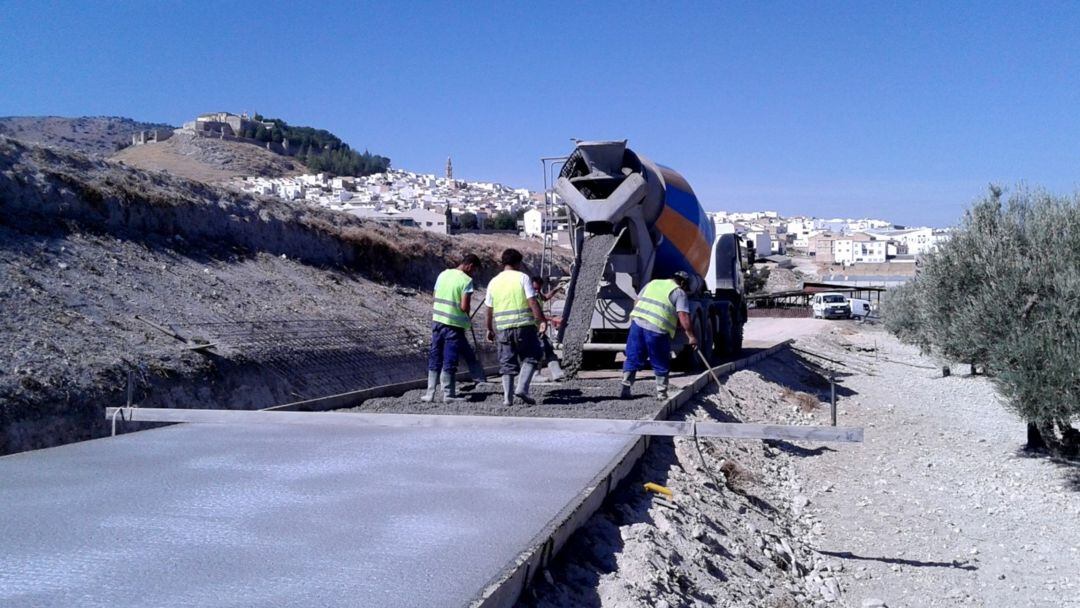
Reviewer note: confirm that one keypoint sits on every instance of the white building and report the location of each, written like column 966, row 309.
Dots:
column 912, row 241
column 859, row 251
column 432, row 221
column 534, row 222
column 761, row 242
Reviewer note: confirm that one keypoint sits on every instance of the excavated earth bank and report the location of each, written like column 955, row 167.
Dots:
column 300, row 302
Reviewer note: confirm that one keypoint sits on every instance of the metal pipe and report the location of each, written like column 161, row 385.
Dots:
column 832, row 397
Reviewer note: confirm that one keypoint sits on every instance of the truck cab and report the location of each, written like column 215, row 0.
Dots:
column 831, row 305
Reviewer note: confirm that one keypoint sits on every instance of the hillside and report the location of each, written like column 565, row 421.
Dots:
column 299, row 302
column 93, row 135
column 207, row 159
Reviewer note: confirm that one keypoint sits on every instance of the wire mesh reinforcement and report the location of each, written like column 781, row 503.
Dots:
column 323, row 356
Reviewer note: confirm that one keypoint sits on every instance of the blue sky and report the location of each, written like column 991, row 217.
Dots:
column 901, row 110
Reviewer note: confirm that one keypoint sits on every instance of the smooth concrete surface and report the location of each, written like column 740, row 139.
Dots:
column 269, row 515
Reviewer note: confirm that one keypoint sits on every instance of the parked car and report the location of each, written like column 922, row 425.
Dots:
column 831, row 305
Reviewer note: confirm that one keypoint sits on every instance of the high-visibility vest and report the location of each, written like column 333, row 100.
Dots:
column 654, row 305
column 449, row 288
column 509, row 306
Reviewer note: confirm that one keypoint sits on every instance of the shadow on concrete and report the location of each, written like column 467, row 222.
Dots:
column 903, row 562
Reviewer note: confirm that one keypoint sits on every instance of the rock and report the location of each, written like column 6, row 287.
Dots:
column 873, row 602
column 834, row 587
column 826, row 592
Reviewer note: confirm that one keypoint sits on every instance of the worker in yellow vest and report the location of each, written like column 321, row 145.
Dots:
column 661, row 307
column 449, row 321
column 515, row 322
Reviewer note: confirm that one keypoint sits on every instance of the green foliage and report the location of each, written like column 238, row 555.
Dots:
column 755, row 278
column 1004, row 293
column 320, row 150
column 504, row 221
column 468, row 221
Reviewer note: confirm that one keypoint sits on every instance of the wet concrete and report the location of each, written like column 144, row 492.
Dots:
column 585, row 397
column 581, row 301
column 268, row 515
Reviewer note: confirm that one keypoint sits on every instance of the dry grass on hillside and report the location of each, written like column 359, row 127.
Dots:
column 208, row 160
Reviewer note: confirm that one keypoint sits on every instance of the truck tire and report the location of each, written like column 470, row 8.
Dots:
column 736, row 340
column 725, row 323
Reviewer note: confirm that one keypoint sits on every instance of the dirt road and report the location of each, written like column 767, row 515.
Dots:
column 939, row 507
column 767, row 330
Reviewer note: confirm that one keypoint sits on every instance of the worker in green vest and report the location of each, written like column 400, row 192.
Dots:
column 661, row 307
column 515, row 322
column 449, row 321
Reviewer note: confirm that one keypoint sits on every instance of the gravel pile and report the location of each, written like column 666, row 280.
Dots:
column 733, row 533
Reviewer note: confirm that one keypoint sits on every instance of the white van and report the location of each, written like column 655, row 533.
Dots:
column 860, row 309
column 830, row 305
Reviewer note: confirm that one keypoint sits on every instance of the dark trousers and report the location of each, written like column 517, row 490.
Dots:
column 518, row 345
column 549, row 350
column 468, row 355
column 446, row 346
column 643, row 345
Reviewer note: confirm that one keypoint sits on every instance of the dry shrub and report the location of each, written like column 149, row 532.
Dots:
column 804, row 401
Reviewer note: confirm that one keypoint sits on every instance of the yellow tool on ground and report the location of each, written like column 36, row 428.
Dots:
column 657, row 489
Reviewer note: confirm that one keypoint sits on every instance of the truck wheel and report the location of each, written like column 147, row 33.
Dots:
column 725, row 322
column 736, row 340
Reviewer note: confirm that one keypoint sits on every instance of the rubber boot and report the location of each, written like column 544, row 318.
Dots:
column 555, row 372
column 627, row 382
column 524, row 380
column 661, row 388
column 432, row 381
column 508, row 389
column 449, row 392
column 476, row 372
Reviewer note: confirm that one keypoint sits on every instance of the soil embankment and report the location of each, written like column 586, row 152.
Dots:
column 299, row 302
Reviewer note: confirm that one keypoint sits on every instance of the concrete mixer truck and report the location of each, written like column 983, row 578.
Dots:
column 633, row 220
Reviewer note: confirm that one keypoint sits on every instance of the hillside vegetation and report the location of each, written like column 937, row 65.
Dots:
column 319, row 149
column 1004, row 294
column 92, row 135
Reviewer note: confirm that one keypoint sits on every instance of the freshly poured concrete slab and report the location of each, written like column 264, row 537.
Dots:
column 269, row 515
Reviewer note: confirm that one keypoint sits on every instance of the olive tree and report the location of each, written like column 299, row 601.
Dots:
column 1004, row 293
